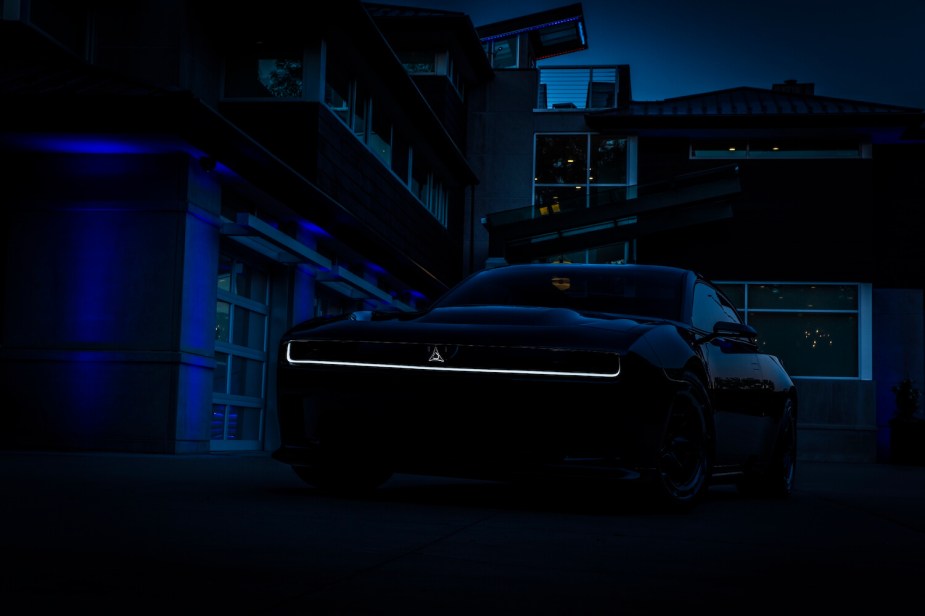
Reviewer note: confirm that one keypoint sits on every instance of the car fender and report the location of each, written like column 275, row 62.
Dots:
column 664, row 346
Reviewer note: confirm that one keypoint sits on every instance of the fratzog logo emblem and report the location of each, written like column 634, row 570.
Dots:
column 440, row 354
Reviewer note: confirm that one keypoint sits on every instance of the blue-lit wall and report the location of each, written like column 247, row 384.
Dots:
column 898, row 343
column 109, row 300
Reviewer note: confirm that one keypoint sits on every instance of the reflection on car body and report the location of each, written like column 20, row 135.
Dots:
column 637, row 372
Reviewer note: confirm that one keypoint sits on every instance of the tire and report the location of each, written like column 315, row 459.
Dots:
column 776, row 479
column 684, row 456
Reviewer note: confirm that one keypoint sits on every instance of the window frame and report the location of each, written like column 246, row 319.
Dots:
column 863, row 312
column 593, row 192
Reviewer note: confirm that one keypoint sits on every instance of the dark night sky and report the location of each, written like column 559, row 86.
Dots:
column 856, row 49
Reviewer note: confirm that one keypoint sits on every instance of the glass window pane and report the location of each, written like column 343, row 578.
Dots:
column 380, row 137
column 225, row 266
column 250, row 282
column 281, row 76
column 810, row 344
column 400, row 158
column 219, row 412
column 719, row 149
column 262, row 73
column 220, row 375
column 360, row 105
column 336, row 98
column 242, row 423
column 223, row 321
column 249, row 328
column 709, row 309
column 802, row 296
column 418, row 62
column 608, row 160
column 735, row 293
column 504, row 53
column 419, row 176
column 246, row 377
column 235, row 423
column 561, row 159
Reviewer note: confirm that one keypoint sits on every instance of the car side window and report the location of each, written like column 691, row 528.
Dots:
column 710, row 308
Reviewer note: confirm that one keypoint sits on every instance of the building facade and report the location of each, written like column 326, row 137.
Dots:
column 806, row 208
column 184, row 185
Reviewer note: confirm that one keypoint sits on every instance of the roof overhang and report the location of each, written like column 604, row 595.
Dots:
column 552, row 33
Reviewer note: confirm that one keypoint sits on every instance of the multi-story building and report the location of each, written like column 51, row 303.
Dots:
column 182, row 185
column 807, row 208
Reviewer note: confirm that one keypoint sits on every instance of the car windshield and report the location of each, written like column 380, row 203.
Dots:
column 610, row 289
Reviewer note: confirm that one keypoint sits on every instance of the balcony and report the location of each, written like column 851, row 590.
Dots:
column 582, row 87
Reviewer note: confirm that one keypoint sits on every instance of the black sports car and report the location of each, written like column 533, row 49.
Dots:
column 637, row 372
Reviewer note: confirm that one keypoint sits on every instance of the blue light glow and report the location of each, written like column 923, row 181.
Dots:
column 313, row 229
column 530, row 29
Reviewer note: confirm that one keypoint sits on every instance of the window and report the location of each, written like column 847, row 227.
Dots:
column 360, row 108
column 400, row 158
column 374, row 127
column 264, row 73
column 818, row 330
column 239, row 380
column 419, row 180
column 608, row 160
column 380, row 137
column 418, row 62
column 337, row 95
column 710, row 308
column 432, row 63
column 281, row 76
column 429, row 190
column 779, row 149
column 577, row 171
column 502, row 53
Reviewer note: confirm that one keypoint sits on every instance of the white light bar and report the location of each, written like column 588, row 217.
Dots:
column 442, row 368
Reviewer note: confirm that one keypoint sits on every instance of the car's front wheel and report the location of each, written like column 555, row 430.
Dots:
column 683, row 457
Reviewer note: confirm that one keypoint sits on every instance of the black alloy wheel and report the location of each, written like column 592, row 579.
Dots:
column 683, row 464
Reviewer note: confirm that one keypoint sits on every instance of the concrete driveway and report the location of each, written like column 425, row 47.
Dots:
column 240, row 534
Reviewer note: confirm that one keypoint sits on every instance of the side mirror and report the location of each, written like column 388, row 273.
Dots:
column 730, row 328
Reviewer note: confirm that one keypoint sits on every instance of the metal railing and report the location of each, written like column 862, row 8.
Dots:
column 578, row 87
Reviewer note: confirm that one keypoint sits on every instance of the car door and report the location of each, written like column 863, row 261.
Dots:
column 736, row 379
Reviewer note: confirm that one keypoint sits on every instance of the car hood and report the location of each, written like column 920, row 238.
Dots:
column 488, row 325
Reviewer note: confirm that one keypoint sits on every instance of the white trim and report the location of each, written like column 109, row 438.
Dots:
column 865, row 331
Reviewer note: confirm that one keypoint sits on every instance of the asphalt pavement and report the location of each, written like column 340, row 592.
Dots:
column 241, row 534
